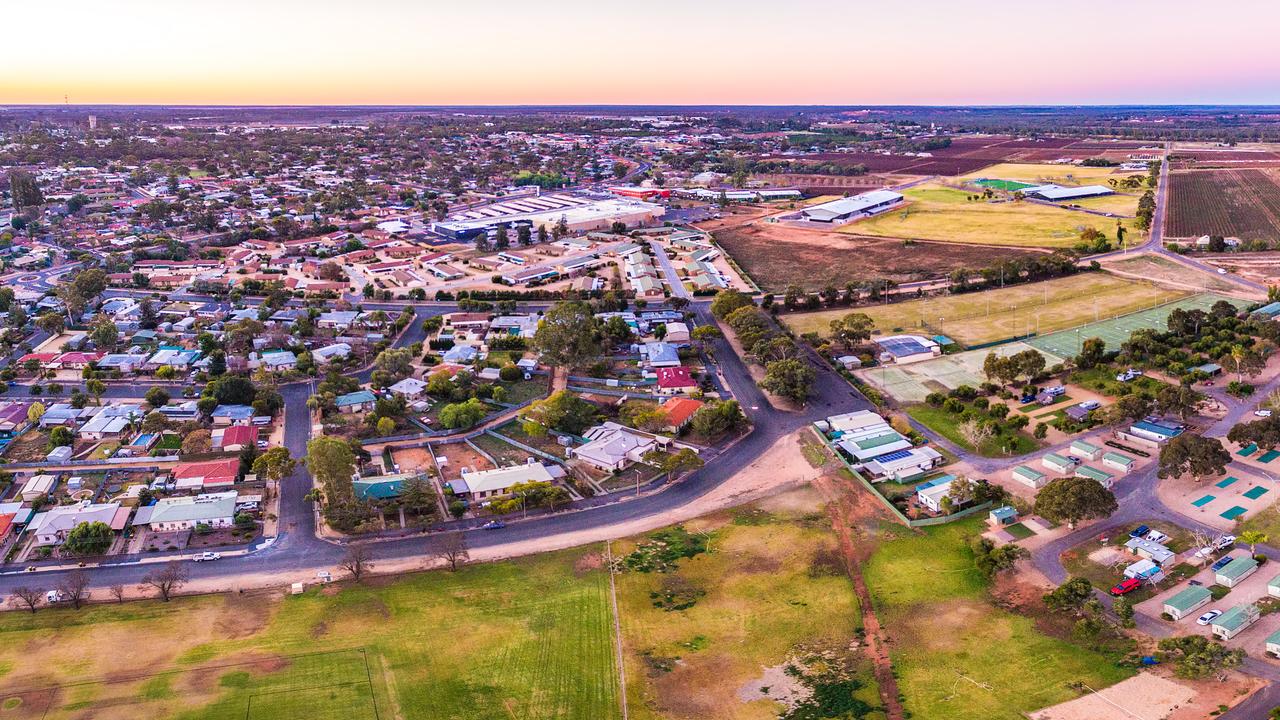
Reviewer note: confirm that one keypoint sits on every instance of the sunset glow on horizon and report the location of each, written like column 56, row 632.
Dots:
column 662, row 52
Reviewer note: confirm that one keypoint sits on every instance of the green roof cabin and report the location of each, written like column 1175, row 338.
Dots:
column 1187, row 601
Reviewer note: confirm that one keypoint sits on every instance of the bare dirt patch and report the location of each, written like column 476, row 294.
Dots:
column 1145, row 695
column 777, row 255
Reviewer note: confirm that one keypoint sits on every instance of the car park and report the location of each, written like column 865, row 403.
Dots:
column 1208, row 617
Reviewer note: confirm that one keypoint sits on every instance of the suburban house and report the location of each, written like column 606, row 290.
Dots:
column 278, row 361
column 409, row 388
column 175, row 514
column 674, row 380
column 355, row 402
column 235, row 438
column 611, row 446
column 38, row 486
column 210, row 473
column 1233, row 622
column 474, row 486
column 231, row 414
column 660, row 355
column 111, row 421
column 329, row 353
column 679, row 411
column 52, row 526
column 1187, row 601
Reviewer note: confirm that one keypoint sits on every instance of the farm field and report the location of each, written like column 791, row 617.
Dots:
column 980, row 317
column 1242, row 203
column 776, row 255
column 530, row 638
column 1163, row 270
column 946, row 214
column 1121, row 203
column 958, row 656
column 1046, row 173
column 775, row 589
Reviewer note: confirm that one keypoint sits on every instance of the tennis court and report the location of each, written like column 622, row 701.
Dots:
column 912, row 382
column 1116, row 331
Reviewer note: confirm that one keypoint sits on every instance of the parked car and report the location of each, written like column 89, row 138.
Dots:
column 1208, row 617
column 1262, row 413
column 1222, row 562
column 207, row 557
column 1221, row 543
column 1222, row 271
column 54, row 596
column 1126, row 586
column 1074, row 459
column 1157, row 537
column 493, row 525
column 1140, row 531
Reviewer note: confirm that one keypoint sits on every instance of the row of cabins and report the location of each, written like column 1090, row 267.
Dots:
column 1063, row 465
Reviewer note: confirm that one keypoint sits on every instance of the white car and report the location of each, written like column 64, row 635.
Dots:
column 207, row 557
column 1221, row 543
column 1262, row 413
column 1208, row 617
column 1222, row 271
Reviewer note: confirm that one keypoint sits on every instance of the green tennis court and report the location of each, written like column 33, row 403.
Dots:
column 1235, row 512
column 1006, row 185
column 1203, row 501
column 1268, row 456
column 1114, row 332
column 1227, row 482
column 1248, row 450
column 1255, row 493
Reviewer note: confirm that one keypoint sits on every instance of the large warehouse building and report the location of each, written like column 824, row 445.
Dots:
column 851, row 208
column 580, row 213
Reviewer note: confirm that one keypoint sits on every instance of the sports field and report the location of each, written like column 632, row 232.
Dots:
column 1006, row 185
column 529, row 638
column 935, row 212
column 1117, row 330
column 980, row 317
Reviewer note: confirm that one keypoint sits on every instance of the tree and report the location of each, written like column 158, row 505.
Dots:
column 562, row 411
column 726, row 301
column 1123, row 608
column 418, row 496
column 61, row 435
column 157, row 397
column 24, row 191
column 792, row 379
column 716, row 418
column 1246, row 361
column 275, row 464
column 89, row 538
column 1178, row 400
column 29, row 596
column 74, row 588
column 569, row 335
column 97, row 389
column 673, row 463
column 167, row 579
column 1092, row 352
column 51, row 323
column 104, row 333
column 975, row 432
column 1196, row 656
column 463, row 414
column 852, row 329
column 1265, row 433
column 1253, row 538
column 1070, row 596
column 386, row 426
column 117, row 591
column 35, row 412
column 1195, row 455
column 197, row 442
column 703, row 335
column 992, row 559
column 356, row 561
column 453, row 549
column 395, row 363
column 332, row 462
column 1073, row 499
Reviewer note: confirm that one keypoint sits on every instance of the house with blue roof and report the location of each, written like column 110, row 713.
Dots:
column 1156, row 430
column 931, row 493
column 354, row 402
column 231, row 414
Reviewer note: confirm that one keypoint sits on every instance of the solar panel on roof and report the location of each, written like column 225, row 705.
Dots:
column 895, row 455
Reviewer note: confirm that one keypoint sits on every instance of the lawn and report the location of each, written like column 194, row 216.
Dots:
column 975, row 318
column 947, row 425
column 529, row 638
column 774, row 587
column 1077, row 562
column 936, row 212
column 957, row 656
column 500, row 450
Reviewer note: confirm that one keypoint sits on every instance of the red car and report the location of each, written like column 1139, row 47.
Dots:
column 1126, row 586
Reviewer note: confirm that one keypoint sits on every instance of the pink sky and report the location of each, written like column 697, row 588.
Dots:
column 661, row 51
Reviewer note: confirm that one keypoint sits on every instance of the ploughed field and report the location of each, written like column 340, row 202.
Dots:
column 1243, row 203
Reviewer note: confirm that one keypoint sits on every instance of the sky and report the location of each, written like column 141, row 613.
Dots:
column 524, row 52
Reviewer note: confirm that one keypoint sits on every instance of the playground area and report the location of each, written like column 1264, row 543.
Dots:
column 1113, row 332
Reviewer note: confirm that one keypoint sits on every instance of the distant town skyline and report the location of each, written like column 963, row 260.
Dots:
column 660, row 52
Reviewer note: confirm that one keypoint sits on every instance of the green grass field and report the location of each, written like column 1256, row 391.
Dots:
column 764, row 600
column 946, row 425
column 957, row 656
column 945, row 214
column 974, row 318
column 528, row 638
